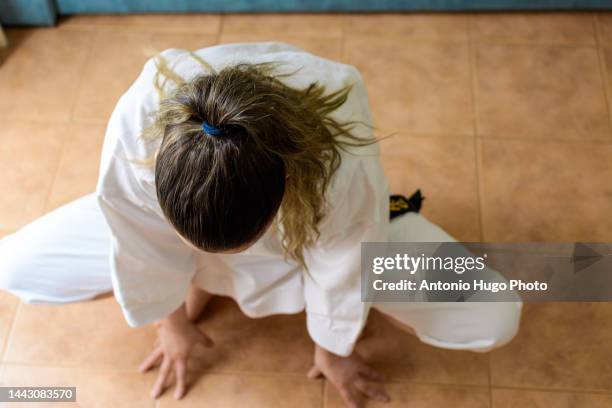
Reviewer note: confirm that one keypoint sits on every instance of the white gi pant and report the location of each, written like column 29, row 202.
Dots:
column 62, row 257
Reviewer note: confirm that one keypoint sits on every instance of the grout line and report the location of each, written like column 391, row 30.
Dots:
column 122, row 27
column 475, row 116
column 403, row 38
column 535, row 45
column 45, row 122
column 403, row 134
column 113, row 368
column 5, row 343
column 325, row 392
column 555, row 390
column 67, row 137
column 544, row 140
column 343, row 55
column 101, row 122
column 594, row 25
column 80, row 365
column 11, row 333
column 27, row 119
column 442, row 40
column 326, row 383
column 290, row 376
column 490, row 378
column 92, row 37
column 479, row 186
column 471, row 387
column 602, row 68
column 220, row 30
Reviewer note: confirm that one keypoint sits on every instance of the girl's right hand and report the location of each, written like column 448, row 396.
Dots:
column 351, row 376
column 177, row 336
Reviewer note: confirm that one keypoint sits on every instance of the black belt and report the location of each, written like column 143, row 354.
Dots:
column 398, row 204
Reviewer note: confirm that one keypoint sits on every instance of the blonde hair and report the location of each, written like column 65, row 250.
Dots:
column 270, row 128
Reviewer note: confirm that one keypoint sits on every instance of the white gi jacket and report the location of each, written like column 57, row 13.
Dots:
column 151, row 268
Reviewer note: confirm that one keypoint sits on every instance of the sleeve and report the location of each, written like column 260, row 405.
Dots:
column 358, row 211
column 335, row 314
column 151, row 268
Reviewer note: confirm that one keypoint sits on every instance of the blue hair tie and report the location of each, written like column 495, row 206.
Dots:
column 212, row 130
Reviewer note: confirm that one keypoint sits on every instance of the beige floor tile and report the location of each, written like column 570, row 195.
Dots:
column 275, row 344
column 318, row 34
column 116, row 61
column 444, row 169
column 78, row 169
column 8, row 306
column 162, row 41
column 415, row 87
column 540, row 399
column 92, row 333
column 559, row 345
column 295, row 24
column 403, row 357
column 40, row 78
column 330, row 48
column 550, row 191
column 534, row 28
column 604, row 23
column 94, row 387
column 237, row 391
column 540, row 93
column 29, row 157
column 207, row 24
column 421, row 26
column 606, row 55
column 425, row 396
column 37, row 376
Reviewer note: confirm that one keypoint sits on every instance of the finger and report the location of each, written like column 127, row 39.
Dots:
column 349, row 397
column 374, row 391
column 371, row 373
column 151, row 360
column 314, row 372
column 204, row 339
column 181, row 373
column 158, row 388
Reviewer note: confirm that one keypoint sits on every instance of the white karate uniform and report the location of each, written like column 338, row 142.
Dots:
column 117, row 238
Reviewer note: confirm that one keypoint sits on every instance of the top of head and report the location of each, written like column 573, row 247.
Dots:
column 228, row 141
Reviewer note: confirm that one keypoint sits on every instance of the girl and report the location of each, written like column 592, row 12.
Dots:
column 246, row 170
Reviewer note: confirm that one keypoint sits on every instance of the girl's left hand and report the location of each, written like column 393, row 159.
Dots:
column 350, row 375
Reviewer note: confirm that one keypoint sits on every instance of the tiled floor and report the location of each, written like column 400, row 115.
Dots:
column 503, row 120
